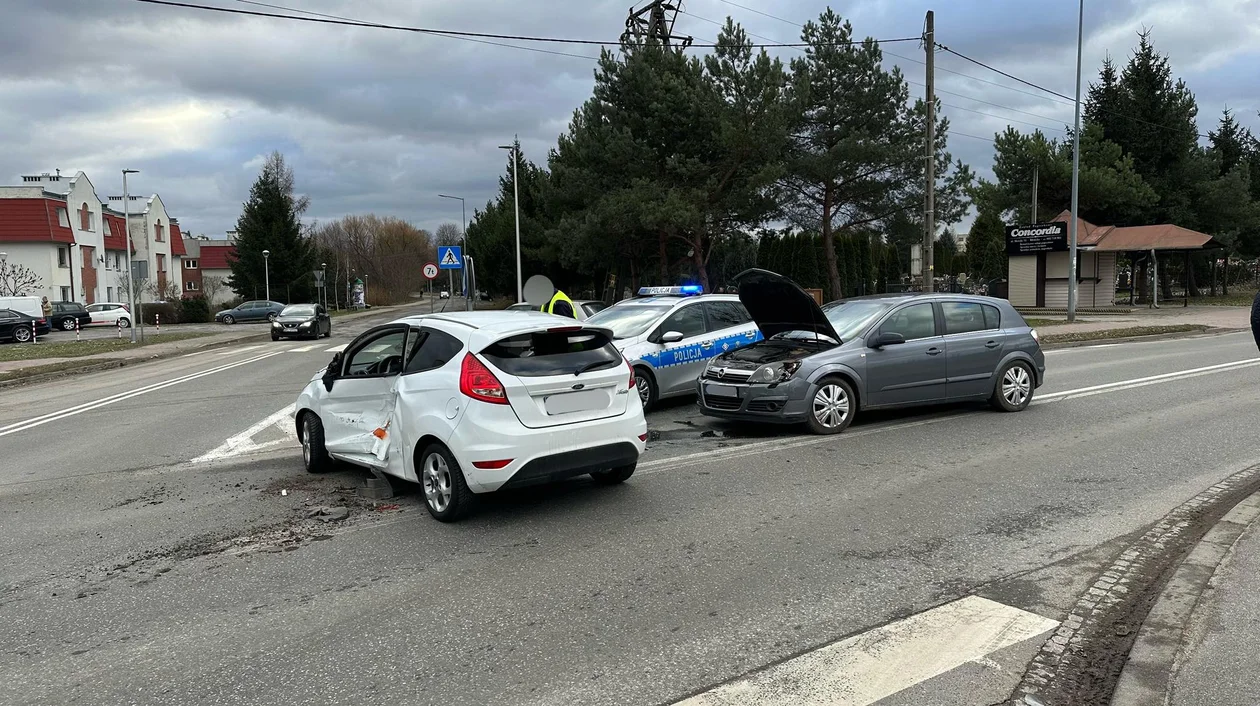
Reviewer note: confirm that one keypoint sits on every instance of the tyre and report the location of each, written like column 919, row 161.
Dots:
column 67, row 324
column 446, row 494
column 832, row 406
column 21, row 334
column 328, row 333
column 614, row 476
column 314, row 455
column 274, row 337
column 229, row 319
column 125, row 322
column 272, row 316
column 1014, row 388
column 646, row 385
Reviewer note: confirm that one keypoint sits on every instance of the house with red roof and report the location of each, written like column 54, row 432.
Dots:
column 154, row 235
column 207, row 267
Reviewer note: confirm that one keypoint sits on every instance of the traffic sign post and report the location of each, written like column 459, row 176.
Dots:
column 430, row 272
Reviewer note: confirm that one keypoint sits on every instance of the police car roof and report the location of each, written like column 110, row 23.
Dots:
column 672, row 299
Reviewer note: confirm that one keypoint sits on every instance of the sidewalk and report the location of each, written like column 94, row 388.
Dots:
column 1219, row 660
column 1225, row 317
column 13, row 371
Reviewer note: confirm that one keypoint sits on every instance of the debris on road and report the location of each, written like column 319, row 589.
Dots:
column 324, row 513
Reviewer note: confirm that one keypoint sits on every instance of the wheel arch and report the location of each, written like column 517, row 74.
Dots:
column 1023, row 357
column 840, row 371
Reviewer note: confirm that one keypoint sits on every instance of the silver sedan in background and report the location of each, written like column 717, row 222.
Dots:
column 896, row 350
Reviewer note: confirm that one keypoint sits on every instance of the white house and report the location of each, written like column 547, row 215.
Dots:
column 158, row 241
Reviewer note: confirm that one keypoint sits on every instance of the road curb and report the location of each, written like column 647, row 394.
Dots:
column 1082, row 661
column 1156, row 655
column 1210, row 331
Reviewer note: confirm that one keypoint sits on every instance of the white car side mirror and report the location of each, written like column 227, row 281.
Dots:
column 671, row 337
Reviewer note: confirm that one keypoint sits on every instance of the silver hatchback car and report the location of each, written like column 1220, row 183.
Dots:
column 821, row 367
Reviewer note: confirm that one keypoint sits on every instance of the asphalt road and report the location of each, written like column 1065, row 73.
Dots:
column 134, row 574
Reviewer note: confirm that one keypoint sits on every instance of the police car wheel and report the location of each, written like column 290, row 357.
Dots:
column 646, row 386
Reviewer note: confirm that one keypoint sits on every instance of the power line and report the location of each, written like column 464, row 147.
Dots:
column 974, row 137
column 759, row 12
column 466, row 39
column 1003, row 117
column 447, row 32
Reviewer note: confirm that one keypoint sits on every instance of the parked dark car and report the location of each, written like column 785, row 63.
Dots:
column 16, row 326
column 821, row 367
column 301, row 320
column 261, row 310
column 66, row 315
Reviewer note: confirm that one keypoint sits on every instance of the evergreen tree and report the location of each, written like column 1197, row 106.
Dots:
column 270, row 220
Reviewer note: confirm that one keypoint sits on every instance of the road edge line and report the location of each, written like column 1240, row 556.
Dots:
column 1157, row 654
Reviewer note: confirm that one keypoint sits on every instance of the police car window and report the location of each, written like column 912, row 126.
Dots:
column 963, row 317
column 727, row 314
column 379, row 356
column 689, row 321
column 914, row 321
column 627, row 320
column 992, row 318
column 544, row 353
column 434, row 350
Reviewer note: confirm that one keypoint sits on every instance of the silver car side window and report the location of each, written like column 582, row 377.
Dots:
column 912, row 322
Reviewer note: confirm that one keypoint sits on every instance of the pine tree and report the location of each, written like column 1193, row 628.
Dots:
column 270, row 220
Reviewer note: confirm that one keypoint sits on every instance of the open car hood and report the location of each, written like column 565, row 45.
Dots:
column 778, row 305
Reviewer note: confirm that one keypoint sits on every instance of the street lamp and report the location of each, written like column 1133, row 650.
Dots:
column 133, row 297
column 463, row 239
column 267, row 272
column 1076, row 170
column 323, row 282
column 516, row 201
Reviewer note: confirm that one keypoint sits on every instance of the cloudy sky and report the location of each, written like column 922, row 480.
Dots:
column 382, row 121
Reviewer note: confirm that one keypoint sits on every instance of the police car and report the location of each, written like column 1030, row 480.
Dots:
column 669, row 334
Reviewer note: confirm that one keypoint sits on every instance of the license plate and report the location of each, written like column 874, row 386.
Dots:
column 571, row 402
column 720, row 391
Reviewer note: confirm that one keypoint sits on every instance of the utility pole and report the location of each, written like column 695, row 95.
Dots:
column 133, row 296
column 1076, row 171
column 515, row 147
column 655, row 21
column 929, row 213
column 1036, row 173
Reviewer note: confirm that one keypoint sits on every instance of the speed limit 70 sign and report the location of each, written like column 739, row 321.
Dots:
column 430, row 270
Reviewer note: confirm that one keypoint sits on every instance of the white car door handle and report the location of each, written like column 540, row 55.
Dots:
column 706, row 344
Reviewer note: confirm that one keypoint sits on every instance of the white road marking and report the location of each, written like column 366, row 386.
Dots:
column 189, row 355
column 111, row 399
column 243, row 442
column 304, row 349
column 865, row 668
column 336, row 349
column 232, row 351
column 1143, row 382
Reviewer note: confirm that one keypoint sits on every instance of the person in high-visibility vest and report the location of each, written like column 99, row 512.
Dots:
column 560, row 305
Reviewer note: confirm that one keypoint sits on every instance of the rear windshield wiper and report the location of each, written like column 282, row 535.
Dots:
column 590, row 366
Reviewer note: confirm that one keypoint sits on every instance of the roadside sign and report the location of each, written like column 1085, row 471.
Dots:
column 430, row 270
column 1036, row 238
column 450, row 257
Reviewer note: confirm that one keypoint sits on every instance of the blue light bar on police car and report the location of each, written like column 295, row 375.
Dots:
column 684, row 291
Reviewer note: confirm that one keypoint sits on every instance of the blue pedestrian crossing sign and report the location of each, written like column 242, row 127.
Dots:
column 450, row 257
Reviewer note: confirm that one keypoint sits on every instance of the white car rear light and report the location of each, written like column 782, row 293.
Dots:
column 476, row 381
column 1036, row 336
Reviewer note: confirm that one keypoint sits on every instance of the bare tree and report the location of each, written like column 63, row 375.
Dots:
column 388, row 253
column 16, row 280
column 211, row 287
column 447, row 234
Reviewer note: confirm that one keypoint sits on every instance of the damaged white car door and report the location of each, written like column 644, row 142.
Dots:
column 358, row 411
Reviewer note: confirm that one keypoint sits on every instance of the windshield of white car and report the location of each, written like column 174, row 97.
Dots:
column 546, row 353
column 628, row 321
column 299, row 310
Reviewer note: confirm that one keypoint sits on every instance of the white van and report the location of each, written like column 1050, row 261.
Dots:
column 31, row 306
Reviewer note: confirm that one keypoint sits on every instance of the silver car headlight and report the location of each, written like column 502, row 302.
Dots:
column 775, row 372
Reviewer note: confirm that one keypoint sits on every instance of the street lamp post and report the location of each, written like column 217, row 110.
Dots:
column 323, row 283
column 133, row 297
column 516, row 202
column 463, row 239
column 267, row 273
column 1076, row 171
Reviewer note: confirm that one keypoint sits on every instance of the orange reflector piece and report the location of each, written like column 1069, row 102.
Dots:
column 379, row 433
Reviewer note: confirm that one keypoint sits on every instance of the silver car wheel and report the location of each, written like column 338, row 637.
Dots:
column 1016, row 385
column 306, row 441
column 437, row 482
column 831, row 406
column 645, row 389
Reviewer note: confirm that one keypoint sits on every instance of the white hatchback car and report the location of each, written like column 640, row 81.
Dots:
column 471, row 402
column 111, row 313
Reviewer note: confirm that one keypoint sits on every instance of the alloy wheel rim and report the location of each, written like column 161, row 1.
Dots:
column 306, row 441
column 831, row 406
column 645, row 389
column 437, row 482
column 1016, row 386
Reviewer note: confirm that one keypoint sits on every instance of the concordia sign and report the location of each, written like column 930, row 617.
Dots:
column 1035, row 238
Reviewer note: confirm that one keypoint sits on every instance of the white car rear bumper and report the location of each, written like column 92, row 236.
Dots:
column 489, row 432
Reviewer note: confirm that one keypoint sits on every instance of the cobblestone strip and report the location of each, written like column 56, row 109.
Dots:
column 1080, row 663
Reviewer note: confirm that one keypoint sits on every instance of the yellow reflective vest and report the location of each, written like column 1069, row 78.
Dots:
column 559, row 296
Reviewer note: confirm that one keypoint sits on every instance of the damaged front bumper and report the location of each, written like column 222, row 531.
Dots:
column 780, row 403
